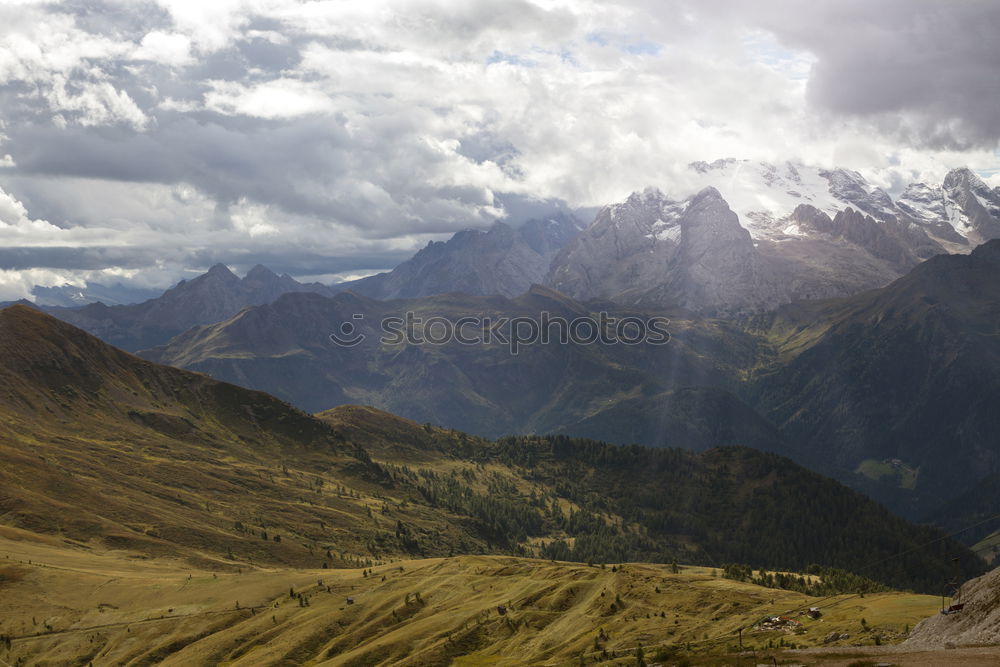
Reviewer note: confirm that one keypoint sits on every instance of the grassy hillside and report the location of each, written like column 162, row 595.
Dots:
column 98, row 446
column 71, row 605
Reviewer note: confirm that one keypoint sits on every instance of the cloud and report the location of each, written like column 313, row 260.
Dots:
column 93, row 103
column 924, row 71
column 162, row 47
column 278, row 98
column 338, row 137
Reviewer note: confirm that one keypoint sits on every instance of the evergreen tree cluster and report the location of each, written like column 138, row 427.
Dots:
column 817, row 581
column 591, row 501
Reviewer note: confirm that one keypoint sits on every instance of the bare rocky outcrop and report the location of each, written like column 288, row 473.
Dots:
column 963, row 210
column 502, row 260
column 977, row 624
column 696, row 254
column 652, row 250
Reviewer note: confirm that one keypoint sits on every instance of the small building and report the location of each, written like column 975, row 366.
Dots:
column 785, row 623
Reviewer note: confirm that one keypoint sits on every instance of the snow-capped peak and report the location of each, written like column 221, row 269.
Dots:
column 762, row 194
column 959, row 214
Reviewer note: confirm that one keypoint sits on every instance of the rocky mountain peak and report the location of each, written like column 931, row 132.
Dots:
column 703, row 167
column 973, row 209
column 220, row 271
column 261, row 274
column 708, row 221
column 641, row 210
column 964, row 177
column 708, row 193
column 920, row 192
column 504, row 259
column 805, row 212
column 851, row 187
column 653, row 249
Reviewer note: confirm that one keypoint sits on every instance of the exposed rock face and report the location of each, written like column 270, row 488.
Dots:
column 926, row 206
column 959, row 214
column 851, row 187
column 549, row 235
column 792, row 233
column 629, row 246
column 502, row 260
column 963, row 211
column 977, row 624
column 763, row 195
column 717, row 268
column 653, row 250
column 694, row 254
column 980, row 206
column 901, row 246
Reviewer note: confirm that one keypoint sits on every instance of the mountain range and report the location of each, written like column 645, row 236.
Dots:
column 752, row 237
column 902, row 373
column 781, row 232
column 73, row 296
column 758, row 236
column 750, row 361
column 502, row 260
column 212, row 296
column 545, row 388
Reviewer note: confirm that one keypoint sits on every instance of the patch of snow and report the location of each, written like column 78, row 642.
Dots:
column 762, row 194
column 662, row 231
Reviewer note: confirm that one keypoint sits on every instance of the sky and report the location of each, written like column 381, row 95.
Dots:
column 149, row 140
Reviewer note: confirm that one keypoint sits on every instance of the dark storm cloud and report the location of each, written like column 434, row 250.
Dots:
column 927, row 71
column 294, row 164
column 74, row 258
column 241, row 158
column 280, row 260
